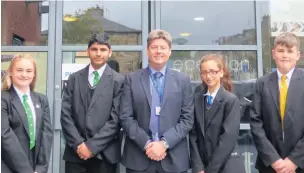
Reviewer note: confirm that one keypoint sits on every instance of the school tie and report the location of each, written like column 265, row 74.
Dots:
column 209, row 100
column 96, row 78
column 283, row 96
column 157, row 77
column 30, row 120
column 156, row 101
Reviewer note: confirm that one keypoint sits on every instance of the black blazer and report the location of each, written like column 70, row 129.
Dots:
column 266, row 125
column 213, row 139
column 99, row 126
column 15, row 136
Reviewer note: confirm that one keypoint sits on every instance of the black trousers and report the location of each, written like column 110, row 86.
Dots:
column 154, row 167
column 93, row 165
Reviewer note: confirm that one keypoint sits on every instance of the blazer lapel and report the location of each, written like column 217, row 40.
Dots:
column 17, row 104
column 145, row 81
column 199, row 110
column 102, row 84
column 38, row 113
column 83, row 83
column 215, row 106
column 274, row 90
column 292, row 93
column 169, row 82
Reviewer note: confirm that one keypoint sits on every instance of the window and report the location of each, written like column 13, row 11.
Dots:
column 41, row 62
column 82, row 18
column 242, row 64
column 17, row 41
column 209, row 22
column 278, row 17
column 126, row 61
column 27, row 26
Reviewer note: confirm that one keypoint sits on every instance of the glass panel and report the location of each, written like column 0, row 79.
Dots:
column 81, row 18
column 242, row 64
column 62, row 147
column 126, row 61
column 41, row 60
column 209, row 22
column 278, row 17
column 27, row 26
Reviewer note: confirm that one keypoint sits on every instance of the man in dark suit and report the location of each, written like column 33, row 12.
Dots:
column 89, row 115
column 157, row 113
column 277, row 111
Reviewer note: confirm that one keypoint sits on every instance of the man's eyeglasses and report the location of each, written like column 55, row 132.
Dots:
column 210, row 73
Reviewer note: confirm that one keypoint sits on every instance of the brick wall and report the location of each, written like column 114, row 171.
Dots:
column 20, row 18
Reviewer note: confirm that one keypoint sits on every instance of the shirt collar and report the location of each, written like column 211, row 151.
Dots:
column 20, row 93
column 100, row 70
column 163, row 70
column 212, row 94
column 288, row 75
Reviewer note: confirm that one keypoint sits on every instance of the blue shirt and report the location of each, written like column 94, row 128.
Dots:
column 162, row 79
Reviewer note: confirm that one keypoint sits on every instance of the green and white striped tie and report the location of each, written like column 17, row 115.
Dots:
column 30, row 120
column 96, row 78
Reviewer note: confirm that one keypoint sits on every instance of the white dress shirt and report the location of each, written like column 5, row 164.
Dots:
column 91, row 74
column 212, row 94
column 288, row 77
column 30, row 102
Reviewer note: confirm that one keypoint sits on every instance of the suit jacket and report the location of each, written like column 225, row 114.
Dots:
column 266, row 125
column 98, row 126
column 213, row 139
column 16, row 154
column 176, row 119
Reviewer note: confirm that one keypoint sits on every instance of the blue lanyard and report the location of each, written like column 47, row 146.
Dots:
column 160, row 90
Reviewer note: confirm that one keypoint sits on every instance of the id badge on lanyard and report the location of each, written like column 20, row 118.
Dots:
column 157, row 110
column 160, row 92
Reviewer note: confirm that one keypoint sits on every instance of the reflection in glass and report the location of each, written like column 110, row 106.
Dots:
column 209, row 22
column 126, row 61
column 41, row 60
column 278, row 17
column 62, row 147
column 247, row 150
column 242, row 64
column 24, row 23
column 82, row 18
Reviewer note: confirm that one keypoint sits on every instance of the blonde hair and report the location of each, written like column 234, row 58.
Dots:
column 287, row 39
column 159, row 34
column 226, row 79
column 7, row 79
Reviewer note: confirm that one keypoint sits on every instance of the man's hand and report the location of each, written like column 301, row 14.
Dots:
column 84, row 152
column 156, row 150
column 290, row 165
column 281, row 166
column 201, row 172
